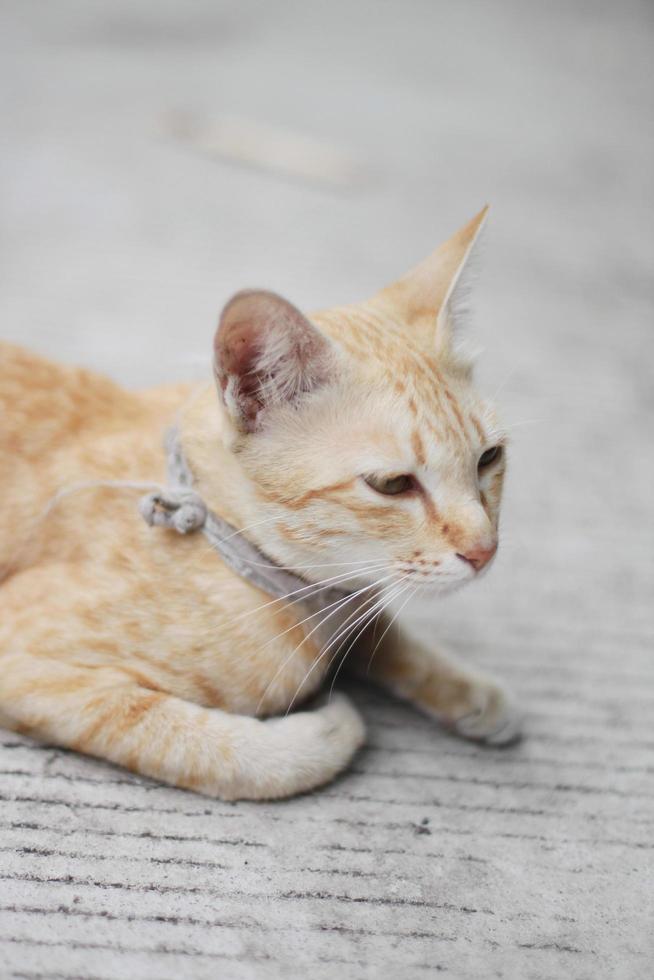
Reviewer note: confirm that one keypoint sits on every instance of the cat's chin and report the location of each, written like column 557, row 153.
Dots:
column 444, row 585
column 440, row 585
column 441, row 589
column 453, row 578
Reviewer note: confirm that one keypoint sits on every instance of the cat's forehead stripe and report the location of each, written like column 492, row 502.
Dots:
column 478, row 427
column 418, row 447
column 411, row 372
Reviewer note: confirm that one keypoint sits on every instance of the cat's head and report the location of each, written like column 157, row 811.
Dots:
column 362, row 437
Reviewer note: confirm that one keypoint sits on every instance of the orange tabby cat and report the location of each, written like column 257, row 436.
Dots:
column 350, row 448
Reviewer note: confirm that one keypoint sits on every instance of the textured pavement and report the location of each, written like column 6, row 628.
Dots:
column 120, row 238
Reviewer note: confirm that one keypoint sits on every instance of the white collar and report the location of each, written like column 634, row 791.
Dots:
column 180, row 508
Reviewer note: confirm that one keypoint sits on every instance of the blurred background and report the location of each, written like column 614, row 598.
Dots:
column 158, row 156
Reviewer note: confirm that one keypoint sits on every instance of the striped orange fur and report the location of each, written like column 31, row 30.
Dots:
column 140, row 646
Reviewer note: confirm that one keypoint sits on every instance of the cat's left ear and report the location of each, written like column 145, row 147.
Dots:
column 432, row 298
column 266, row 353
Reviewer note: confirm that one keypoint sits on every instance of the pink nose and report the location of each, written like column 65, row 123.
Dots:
column 478, row 557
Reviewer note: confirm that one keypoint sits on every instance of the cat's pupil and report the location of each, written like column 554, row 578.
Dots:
column 490, row 456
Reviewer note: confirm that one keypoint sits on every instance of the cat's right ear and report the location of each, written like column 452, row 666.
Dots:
column 266, row 353
column 432, row 298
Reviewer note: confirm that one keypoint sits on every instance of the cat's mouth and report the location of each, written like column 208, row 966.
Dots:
column 444, row 576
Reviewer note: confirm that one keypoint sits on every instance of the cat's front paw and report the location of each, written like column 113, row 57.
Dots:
column 492, row 716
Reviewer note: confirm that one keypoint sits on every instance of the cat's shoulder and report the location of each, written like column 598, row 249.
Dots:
column 37, row 391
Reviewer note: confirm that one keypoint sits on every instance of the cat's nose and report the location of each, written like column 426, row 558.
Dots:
column 478, row 557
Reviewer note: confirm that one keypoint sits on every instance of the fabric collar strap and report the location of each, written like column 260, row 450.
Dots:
column 180, row 508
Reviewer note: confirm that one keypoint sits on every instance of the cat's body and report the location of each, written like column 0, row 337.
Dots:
column 141, row 645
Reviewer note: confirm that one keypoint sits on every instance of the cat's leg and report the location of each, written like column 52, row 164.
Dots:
column 104, row 712
column 464, row 700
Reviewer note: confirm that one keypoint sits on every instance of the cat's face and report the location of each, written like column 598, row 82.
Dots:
column 365, row 444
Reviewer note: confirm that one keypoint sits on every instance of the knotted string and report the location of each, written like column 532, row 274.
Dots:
column 180, row 508
column 183, row 510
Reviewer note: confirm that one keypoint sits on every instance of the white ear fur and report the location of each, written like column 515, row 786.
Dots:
column 432, row 299
column 266, row 353
column 455, row 313
column 456, row 306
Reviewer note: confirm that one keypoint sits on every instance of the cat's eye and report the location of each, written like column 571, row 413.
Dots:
column 391, row 485
column 492, row 455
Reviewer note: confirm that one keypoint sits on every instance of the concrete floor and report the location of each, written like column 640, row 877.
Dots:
column 119, row 244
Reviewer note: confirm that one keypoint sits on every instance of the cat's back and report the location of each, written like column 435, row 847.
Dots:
column 43, row 404
column 61, row 425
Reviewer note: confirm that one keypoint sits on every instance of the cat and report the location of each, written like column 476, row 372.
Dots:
column 349, row 447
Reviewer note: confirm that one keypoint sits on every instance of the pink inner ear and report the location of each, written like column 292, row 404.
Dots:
column 237, row 347
column 265, row 350
column 239, row 350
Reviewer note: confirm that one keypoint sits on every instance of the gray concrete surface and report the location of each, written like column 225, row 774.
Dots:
column 119, row 244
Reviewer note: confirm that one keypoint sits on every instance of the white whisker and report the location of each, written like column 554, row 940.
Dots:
column 297, row 595
column 311, row 588
column 339, row 605
column 241, row 530
column 316, row 564
column 338, row 602
column 515, row 425
column 502, row 385
column 379, row 641
column 373, row 614
column 340, row 634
